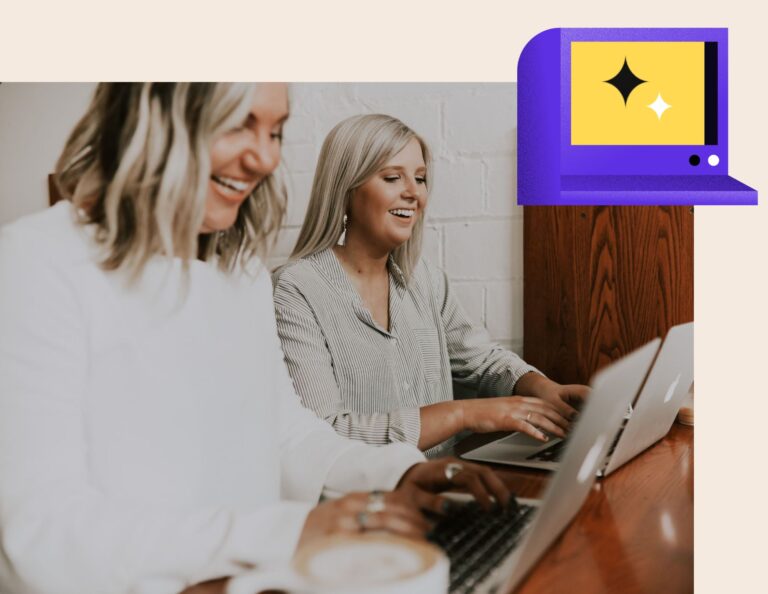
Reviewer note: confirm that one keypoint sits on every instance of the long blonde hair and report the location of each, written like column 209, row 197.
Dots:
column 137, row 166
column 352, row 152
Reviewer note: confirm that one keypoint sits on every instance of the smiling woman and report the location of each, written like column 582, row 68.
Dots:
column 140, row 167
column 244, row 156
column 150, row 437
column 372, row 334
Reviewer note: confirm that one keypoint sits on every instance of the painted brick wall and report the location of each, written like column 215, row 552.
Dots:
column 474, row 227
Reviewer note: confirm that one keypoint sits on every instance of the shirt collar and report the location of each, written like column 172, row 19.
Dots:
column 327, row 262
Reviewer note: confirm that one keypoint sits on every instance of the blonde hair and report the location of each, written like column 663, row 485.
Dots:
column 137, row 166
column 352, row 153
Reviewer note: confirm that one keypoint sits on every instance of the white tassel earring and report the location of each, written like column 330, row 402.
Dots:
column 343, row 236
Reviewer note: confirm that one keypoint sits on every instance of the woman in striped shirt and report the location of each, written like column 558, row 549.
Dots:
column 372, row 334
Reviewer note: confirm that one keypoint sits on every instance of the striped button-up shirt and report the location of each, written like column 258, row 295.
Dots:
column 370, row 382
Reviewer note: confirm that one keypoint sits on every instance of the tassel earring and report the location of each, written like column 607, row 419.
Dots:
column 343, row 236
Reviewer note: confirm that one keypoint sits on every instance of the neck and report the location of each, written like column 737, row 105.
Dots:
column 362, row 259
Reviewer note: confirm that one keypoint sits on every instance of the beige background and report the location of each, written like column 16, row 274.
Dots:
column 430, row 40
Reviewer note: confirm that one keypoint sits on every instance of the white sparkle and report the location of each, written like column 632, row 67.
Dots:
column 659, row 106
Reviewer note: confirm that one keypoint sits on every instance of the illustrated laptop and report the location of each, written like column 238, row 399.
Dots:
column 492, row 552
column 625, row 116
column 654, row 411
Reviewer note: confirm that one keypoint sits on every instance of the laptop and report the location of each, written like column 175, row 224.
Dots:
column 650, row 418
column 492, row 552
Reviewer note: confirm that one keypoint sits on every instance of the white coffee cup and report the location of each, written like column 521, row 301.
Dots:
column 368, row 563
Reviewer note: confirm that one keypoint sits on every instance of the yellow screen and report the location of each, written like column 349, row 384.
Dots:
column 668, row 108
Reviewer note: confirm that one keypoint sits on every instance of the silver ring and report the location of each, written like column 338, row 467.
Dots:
column 376, row 502
column 362, row 520
column 452, row 469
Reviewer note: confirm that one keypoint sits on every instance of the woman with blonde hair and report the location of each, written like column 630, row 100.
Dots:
column 150, row 437
column 372, row 334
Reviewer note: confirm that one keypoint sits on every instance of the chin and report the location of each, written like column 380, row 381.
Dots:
column 220, row 221
column 399, row 241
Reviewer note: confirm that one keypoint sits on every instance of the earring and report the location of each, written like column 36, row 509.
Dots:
column 343, row 236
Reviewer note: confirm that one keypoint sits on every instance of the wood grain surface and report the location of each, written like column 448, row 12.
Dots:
column 601, row 281
column 633, row 535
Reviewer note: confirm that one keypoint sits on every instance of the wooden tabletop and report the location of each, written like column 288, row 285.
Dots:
column 634, row 533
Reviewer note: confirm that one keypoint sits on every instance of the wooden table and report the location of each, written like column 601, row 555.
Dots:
column 634, row 533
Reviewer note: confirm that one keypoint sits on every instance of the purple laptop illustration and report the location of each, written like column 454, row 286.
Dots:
column 625, row 116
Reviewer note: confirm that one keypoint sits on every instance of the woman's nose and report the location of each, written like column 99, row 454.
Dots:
column 262, row 156
column 412, row 189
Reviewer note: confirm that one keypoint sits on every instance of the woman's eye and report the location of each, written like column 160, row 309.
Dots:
column 277, row 136
column 391, row 178
column 421, row 180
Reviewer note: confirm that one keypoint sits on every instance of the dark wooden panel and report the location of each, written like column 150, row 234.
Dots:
column 601, row 281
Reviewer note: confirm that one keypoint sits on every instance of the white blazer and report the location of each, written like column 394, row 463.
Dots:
column 150, row 437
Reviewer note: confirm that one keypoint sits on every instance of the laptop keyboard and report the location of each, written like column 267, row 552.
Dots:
column 476, row 541
column 554, row 452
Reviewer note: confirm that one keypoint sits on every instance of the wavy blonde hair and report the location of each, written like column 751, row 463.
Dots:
column 352, row 153
column 137, row 166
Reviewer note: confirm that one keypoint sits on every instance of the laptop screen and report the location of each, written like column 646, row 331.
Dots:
column 643, row 93
column 643, row 102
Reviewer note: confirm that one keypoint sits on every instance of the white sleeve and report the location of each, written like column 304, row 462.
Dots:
column 60, row 534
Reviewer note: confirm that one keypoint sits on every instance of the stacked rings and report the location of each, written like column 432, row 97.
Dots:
column 452, row 469
column 362, row 520
column 375, row 504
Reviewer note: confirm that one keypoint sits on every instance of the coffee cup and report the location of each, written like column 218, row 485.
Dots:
column 367, row 563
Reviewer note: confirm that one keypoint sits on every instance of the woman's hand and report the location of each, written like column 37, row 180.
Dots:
column 396, row 512
column 421, row 481
column 514, row 413
column 567, row 399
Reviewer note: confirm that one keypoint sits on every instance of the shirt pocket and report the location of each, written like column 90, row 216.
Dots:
column 428, row 343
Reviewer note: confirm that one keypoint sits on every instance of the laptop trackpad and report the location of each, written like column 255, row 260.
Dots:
column 520, row 439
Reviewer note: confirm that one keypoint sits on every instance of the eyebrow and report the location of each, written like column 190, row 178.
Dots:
column 401, row 168
column 250, row 119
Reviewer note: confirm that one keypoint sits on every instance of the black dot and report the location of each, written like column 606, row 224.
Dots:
column 694, row 159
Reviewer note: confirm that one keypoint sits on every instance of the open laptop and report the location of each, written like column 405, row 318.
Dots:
column 655, row 407
column 494, row 551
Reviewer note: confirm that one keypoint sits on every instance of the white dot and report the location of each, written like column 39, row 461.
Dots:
column 713, row 160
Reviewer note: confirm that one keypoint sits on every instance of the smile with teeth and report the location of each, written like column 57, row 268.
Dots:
column 230, row 184
column 405, row 213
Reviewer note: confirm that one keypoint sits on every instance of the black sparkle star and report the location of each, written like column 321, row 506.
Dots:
column 625, row 81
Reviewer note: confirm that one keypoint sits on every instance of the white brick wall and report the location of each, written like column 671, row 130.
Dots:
column 474, row 228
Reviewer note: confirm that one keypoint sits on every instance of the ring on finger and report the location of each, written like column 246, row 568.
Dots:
column 362, row 520
column 452, row 469
column 528, row 416
column 376, row 502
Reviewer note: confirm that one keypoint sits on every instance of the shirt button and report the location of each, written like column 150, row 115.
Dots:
column 406, row 385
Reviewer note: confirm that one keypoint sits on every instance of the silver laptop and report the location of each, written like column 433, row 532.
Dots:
column 651, row 417
column 659, row 401
column 503, row 565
